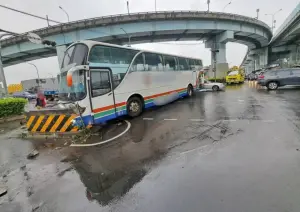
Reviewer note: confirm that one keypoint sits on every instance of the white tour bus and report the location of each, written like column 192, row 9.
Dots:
column 107, row 81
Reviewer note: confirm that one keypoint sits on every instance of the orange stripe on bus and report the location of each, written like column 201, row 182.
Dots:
column 146, row 98
column 162, row 94
column 108, row 107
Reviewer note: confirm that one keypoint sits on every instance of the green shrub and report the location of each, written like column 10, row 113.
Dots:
column 12, row 106
column 221, row 80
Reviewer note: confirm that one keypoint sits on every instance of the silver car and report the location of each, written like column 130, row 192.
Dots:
column 215, row 86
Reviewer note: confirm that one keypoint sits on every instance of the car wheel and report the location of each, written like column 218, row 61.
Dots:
column 190, row 91
column 215, row 88
column 134, row 106
column 272, row 85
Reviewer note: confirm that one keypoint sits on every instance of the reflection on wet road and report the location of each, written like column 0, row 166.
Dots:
column 229, row 151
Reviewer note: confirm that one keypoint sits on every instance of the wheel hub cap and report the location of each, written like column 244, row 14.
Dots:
column 134, row 107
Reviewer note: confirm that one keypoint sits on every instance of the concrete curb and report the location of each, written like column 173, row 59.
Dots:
column 26, row 134
column 12, row 118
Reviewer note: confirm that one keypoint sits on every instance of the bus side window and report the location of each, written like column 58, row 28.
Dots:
column 153, row 62
column 138, row 63
column 169, row 63
column 198, row 64
column 192, row 64
column 183, row 65
column 100, row 83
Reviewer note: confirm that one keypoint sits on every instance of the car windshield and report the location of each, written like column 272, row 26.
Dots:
column 77, row 91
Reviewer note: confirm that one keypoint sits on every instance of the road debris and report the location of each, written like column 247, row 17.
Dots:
column 33, row 154
column 3, row 190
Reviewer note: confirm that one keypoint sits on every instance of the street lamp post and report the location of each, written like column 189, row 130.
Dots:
column 128, row 7
column 32, row 37
column 257, row 13
column 208, row 2
column 129, row 37
column 37, row 72
column 155, row 5
column 226, row 6
column 60, row 7
column 273, row 19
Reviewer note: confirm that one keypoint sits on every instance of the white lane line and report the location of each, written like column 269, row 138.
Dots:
column 241, row 100
column 106, row 141
column 170, row 119
column 268, row 121
column 196, row 119
column 148, row 119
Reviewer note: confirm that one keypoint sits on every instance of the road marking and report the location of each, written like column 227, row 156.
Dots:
column 106, row 141
column 241, row 100
column 196, row 119
column 170, row 119
column 148, row 119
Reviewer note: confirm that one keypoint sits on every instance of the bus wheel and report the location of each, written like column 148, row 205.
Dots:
column 134, row 106
column 190, row 91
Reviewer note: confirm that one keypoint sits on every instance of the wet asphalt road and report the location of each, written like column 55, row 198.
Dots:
column 229, row 151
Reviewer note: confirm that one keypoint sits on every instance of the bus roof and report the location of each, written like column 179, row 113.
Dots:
column 91, row 43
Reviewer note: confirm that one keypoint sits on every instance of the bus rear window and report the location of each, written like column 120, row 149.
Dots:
column 75, row 55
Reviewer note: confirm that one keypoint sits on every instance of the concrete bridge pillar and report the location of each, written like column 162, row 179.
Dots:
column 217, row 46
column 293, row 55
column 260, row 57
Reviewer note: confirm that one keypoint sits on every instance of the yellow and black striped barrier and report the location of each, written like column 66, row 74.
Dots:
column 50, row 123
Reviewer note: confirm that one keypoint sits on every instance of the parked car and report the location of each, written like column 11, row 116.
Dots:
column 252, row 77
column 273, row 79
column 24, row 94
column 215, row 86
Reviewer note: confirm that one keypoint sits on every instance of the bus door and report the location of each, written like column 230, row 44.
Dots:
column 102, row 98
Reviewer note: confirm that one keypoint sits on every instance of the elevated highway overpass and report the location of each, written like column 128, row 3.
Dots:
column 215, row 28
column 283, row 47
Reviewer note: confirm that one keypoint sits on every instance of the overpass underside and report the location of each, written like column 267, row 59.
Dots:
column 216, row 29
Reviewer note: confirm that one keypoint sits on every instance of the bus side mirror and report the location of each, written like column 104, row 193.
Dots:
column 69, row 79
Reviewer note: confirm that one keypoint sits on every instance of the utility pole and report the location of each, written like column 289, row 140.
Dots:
column 208, row 2
column 47, row 20
column 128, row 7
column 155, row 5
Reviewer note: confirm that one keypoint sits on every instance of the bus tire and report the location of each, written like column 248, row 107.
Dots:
column 134, row 106
column 190, row 91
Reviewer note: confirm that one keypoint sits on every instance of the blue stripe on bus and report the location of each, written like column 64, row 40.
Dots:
column 89, row 119
column 105, row 118
column 149, row 104
column 183, row 94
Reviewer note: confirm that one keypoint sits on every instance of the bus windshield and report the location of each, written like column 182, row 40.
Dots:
column 77, row 91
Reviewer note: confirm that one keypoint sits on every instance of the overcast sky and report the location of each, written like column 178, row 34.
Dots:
column 77, row 10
